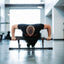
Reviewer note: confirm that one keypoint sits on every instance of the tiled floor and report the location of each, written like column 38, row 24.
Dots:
column 55, row 56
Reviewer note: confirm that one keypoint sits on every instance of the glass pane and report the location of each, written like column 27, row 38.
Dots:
column 24, row 16
column 24, row 1
column 2, row 27
column 0, row 14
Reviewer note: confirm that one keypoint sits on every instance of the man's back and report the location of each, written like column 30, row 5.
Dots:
column 37, row 27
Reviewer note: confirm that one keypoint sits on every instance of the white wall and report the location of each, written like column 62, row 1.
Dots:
column 57, row 21
column 57, row 17
column 49, row 5
column 43, row 34
column 49, row 22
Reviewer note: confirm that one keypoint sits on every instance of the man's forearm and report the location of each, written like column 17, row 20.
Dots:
column 49, row 31
column 13, row 31
column 48, row 27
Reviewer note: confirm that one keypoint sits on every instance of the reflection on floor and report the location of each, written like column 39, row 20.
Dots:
column 55, row 56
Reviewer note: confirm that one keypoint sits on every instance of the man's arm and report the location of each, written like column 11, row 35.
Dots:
column 13, row 31
column 48, row 27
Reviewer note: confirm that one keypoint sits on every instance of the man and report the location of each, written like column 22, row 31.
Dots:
column 31, row 32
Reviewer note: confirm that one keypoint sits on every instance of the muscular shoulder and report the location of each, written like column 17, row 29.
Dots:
column 39, row 26
column 15, row 26
column 22, row 26
column 46, row 26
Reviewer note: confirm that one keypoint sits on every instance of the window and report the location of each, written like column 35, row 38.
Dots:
column 25, row 1
column 24, row 16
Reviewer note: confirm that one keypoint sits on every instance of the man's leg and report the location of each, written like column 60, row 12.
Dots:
column 28, row 45
column 33, row 42
column 28, row 42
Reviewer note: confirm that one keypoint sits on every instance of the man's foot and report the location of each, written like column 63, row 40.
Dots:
column 28, row 45
column 33, row 46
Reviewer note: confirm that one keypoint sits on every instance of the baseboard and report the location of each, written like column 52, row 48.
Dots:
column 58, row 39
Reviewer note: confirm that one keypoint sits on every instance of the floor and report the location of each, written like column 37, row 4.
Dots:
column 55, row 56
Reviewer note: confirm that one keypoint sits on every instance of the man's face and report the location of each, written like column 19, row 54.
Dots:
column 30, row 30
column 30, row 35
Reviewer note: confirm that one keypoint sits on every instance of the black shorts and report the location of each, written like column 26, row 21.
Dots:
column 31, row 41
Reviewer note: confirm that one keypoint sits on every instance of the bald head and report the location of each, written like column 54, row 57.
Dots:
column 30, row 30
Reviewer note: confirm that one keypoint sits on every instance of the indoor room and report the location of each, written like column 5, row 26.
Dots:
column 31, row 31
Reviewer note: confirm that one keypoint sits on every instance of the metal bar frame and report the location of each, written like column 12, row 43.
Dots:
column 20, row 38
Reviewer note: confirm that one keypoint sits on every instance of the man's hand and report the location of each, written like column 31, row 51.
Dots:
column 13, row 38
column 48, row 38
